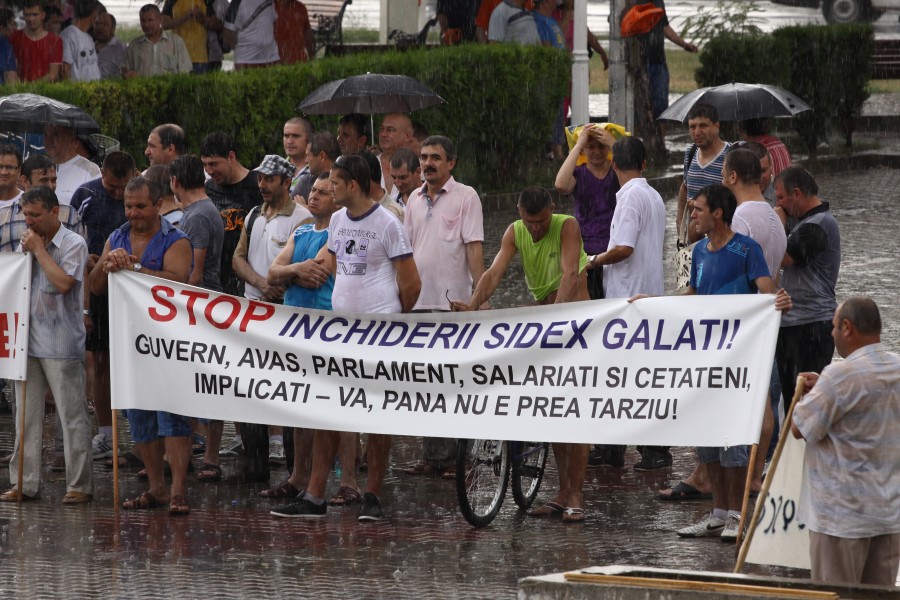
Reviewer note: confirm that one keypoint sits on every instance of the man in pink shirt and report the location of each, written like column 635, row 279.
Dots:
column 444, row 224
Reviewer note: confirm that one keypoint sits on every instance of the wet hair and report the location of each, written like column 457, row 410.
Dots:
column 10, row 150
column 352, row 167
column 755, row 147
column 323, row 141
column 444, row 142
column 171, row 134
column 217, row 143
column 863, row 313
column 139, row 183
column 323, row 175
column 702, row 110
column 161, row 176
column 119, row 163
column 797, row 178
column 374, row 166
column 745, row 164
column 405, row 157
column 359, row 122
column 188, row 170
column 149, row 8
column 420, row 132
column 40, row 195
column 629, row 154
column 84, row 8
column 755, row 127
column 719, row 197
column 36, row 162
column 305, row 123
column 534, row 199
column 34, row 3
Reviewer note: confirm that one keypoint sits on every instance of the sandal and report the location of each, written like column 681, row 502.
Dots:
column 179, row 506
column 209, row 472
column 420, row 469
column 449, row 473
column 285, row 489
column 548, row 509
column 128, row 459
column 76, row 498
column 345, row 496
column 143, row 502
column 682, row 491
column 573, row 515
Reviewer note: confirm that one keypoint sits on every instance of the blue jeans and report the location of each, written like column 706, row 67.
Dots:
column 150, row 425
column 658, row 74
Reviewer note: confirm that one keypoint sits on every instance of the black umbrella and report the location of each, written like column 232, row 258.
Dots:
column 369, row 94
column 738, row 102
column 29, row 113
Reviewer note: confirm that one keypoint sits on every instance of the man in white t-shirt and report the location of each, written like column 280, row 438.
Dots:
column 510, row 22
column 10, row 169
column 377, row 274
column 250, row 28
column 72, row 169
column 80, row 60
column 267, row 229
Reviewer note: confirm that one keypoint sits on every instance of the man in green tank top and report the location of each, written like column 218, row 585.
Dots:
column 554, row 262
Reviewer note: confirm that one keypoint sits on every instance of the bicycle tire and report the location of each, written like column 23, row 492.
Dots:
column 481, row 480
column 528, row 472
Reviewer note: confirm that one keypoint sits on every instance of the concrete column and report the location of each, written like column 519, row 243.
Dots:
column 621, row 83
column 398, row 14
column 580, row 65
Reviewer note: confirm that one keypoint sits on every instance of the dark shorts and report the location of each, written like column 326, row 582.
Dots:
column 97, row 340
column 150, row 425
column 802, row 348
column 733, row 456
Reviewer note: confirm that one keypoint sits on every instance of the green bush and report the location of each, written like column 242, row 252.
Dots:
column 502, row 101
column 829, row 67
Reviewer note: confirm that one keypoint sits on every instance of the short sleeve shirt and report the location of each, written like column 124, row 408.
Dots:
column 100, row 213
column 365, row 248
column 233, row 202
column 79, row 53
column 700, row 176
column 513, row 24
column 255, row 36
column 203, row 225
column 34, row 57
column 732, row 269
column 756, row 219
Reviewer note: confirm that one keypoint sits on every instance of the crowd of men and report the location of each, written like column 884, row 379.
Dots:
column 277, row 233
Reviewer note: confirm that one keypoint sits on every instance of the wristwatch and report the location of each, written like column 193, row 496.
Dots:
column 87, row 312
column 137, row 266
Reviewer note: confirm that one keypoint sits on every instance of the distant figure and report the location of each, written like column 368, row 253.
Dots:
column 850, row 419
column 250, row 30
column 157, row 52
column 654, row 53
column 510, row 22
column 8, row 72
column 456, row 20
column 110, row 49
column 39, row 53
column 293, row 32
column 190, row 19
column 80, row 61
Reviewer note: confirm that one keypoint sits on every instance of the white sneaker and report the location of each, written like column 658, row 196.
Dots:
column 276, row 453
column 232, row 448
column 708, row 526
column 729, row 533
column 102, row 447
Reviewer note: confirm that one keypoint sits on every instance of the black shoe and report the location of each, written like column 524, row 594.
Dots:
column 371, row 508
column 606, row 456
column 301, row 508
column 653, row 460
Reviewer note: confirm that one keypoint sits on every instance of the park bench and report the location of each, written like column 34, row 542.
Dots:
column 886, row 59
column 326, row 18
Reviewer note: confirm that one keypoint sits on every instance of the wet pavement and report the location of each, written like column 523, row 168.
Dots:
column 230, row 547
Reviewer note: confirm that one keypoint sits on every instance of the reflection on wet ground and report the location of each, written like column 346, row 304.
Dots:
column 230, row 546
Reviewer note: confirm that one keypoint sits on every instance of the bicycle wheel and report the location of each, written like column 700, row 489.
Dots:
column 527, row 471
column 481, row 479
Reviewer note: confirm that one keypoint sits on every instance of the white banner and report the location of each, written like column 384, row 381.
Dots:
column 15, row 299
column 780, row 538
column 668, row 371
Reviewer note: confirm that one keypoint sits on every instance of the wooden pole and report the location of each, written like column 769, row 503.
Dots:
column 786, row 431
column 21, row 439
column 115, row 459
column 746, row 501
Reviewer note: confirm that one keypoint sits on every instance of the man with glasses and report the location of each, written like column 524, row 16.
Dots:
column 377, row 274
column 10, row 165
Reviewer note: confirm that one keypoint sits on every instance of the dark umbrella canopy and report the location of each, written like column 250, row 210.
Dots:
column 369, row 94
column 29, row 113
column 739, row 102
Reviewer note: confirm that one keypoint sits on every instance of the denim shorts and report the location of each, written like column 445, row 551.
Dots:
column 733, row 456
column 150, row 425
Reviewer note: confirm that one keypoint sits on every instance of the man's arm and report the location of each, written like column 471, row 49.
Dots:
column 176, row 263
column 611, row 256
column 243, row 270
column 61, row 280
column 475, row 259
column 196, row 276
column 309, row 273
column 490, row 279
column 99, row 276
column 679, row 211
column 594, row 44
column 570, row 255
column 408, row 282
column 676, row 39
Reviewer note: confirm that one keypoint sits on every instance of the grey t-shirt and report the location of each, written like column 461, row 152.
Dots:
column 202, row 223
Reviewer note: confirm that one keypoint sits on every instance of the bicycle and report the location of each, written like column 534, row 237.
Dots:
column 483, row 474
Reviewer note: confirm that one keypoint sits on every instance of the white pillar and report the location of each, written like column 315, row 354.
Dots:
column 398, row 14
column 621, row 85
column 580, row 66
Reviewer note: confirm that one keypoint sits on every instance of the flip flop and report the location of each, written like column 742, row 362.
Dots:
column 681, row 492
column 209, row 472
column 284, row 490
column 548, row 509
column 145, row 501
column 573, row 515
column 179, row 506
column 420, row 469
column 345, row 496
